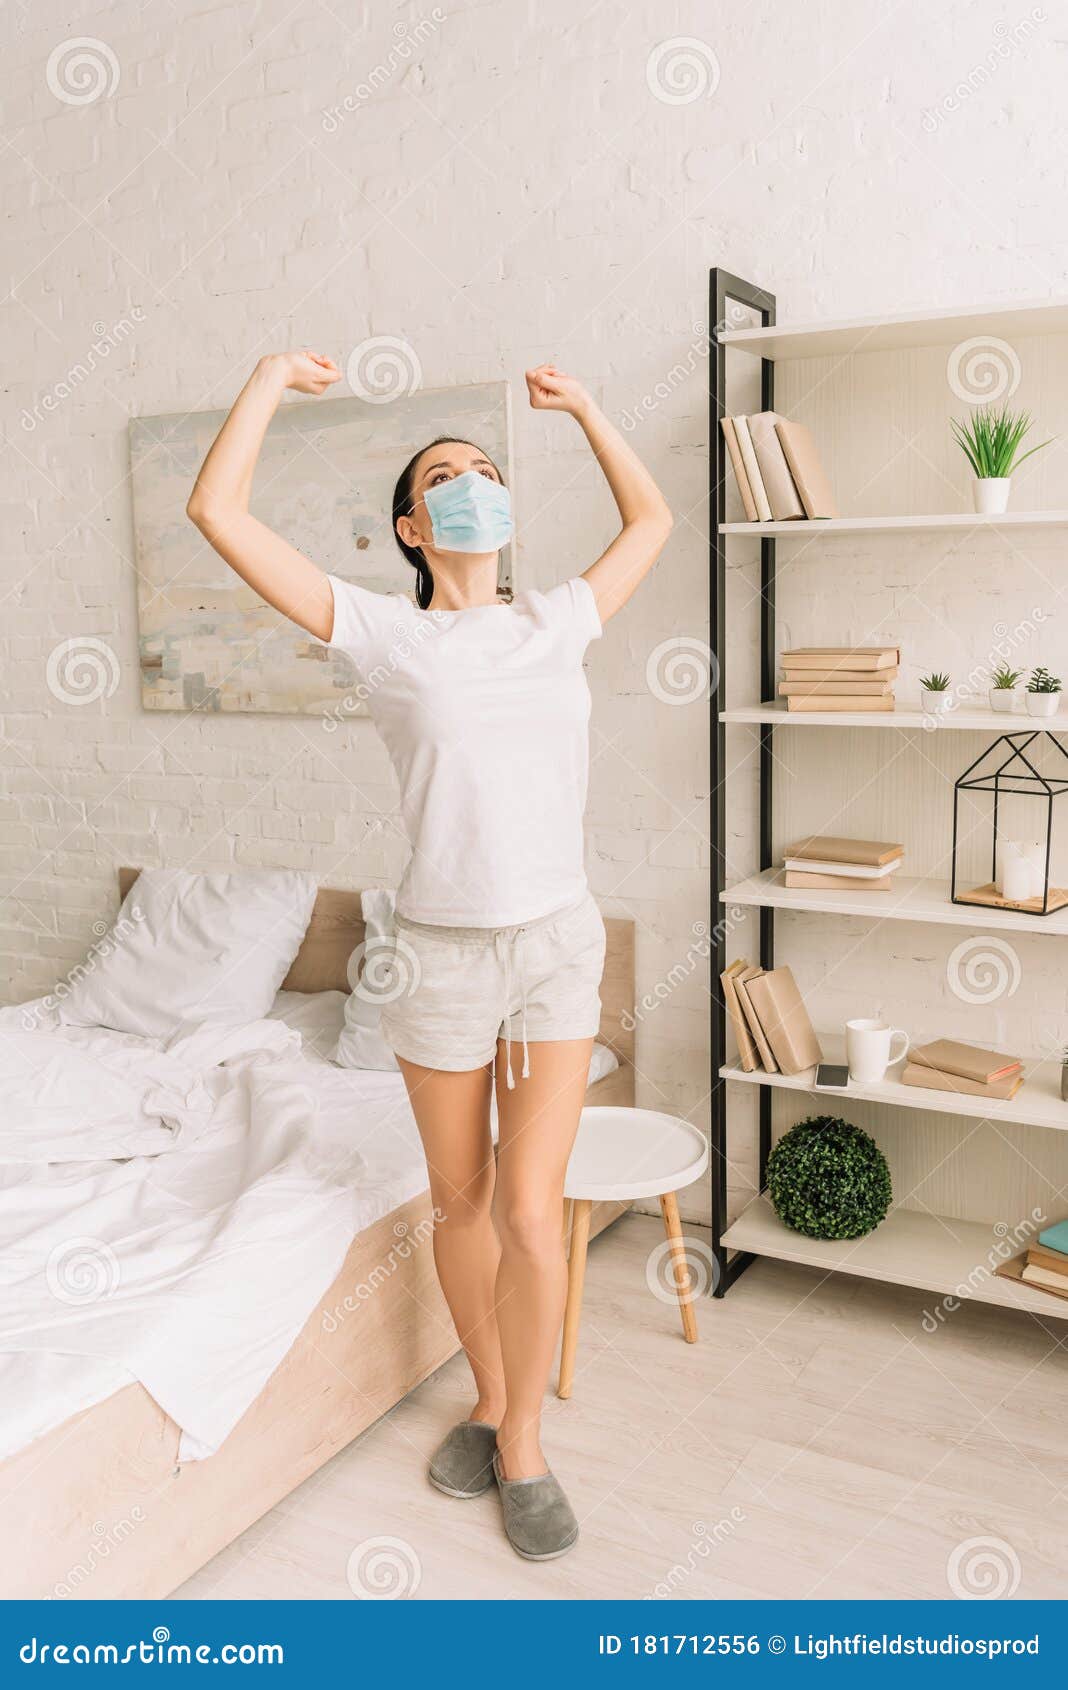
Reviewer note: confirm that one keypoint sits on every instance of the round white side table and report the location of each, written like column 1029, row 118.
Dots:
column 619, row 1155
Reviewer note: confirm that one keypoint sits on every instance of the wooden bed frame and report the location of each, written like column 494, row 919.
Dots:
column 99, row 1506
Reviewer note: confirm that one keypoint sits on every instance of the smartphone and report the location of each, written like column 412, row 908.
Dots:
column 834, row 1076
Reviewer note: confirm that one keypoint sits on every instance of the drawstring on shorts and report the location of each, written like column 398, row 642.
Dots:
column 510, row 956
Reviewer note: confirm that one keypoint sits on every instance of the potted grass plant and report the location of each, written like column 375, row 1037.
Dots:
column 990, row 440
column 1043, row 696
column 934, row 692
column 1003, row 684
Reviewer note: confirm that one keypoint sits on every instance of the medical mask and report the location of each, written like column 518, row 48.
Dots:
column 470, row 513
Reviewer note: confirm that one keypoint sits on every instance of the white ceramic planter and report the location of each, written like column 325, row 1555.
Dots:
column 935, row 703
column 991, row 494
column 1042, row 703
column 1002, row 699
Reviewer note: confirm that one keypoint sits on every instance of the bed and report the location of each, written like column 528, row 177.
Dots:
column 102, row 1506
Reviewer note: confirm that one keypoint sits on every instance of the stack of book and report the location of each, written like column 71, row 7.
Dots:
column 777, row 468
column 1046, row 1262
column 770, row 1020
column 831, row 677
column 946, row 1065
column 843, row 865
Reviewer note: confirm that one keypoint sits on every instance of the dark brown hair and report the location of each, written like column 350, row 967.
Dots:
column 402, row 506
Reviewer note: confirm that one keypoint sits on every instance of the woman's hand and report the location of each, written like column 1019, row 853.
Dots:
column 304, row 371
column 551, row 390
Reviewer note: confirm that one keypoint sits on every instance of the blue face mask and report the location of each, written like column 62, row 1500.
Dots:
column 470, row 513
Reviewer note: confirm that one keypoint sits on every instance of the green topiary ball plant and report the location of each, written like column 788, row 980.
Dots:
column 829, row 1179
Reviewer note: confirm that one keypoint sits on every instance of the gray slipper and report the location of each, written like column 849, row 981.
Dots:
column 462, row 1464
column 538, row 1519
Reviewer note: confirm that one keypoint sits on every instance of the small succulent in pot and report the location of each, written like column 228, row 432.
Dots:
column 990, row 440
column 1003, row 683
column 934, row 692
column 1043, row 696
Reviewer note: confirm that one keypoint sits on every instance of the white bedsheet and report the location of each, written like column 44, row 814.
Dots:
column 194, row 1268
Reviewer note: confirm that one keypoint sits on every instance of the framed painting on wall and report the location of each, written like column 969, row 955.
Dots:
column 325, row 482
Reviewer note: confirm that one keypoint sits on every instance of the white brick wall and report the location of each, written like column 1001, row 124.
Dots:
column 510, row 190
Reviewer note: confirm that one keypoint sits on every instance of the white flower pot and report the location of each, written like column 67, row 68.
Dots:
column 1003, row 699
column 991, row 494
column 935, row 703
column 1042, row 703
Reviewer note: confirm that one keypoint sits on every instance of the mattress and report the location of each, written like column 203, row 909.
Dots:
column 193, row 1271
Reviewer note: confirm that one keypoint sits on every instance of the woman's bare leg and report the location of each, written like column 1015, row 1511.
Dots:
column 538, row 1123
column 452, row 1114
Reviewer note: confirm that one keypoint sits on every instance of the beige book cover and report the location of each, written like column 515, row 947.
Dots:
column 799, row 450
column 1048, row 1278
column 816, row 677
column 867, row 702
column 870, row 688
column 783, row 498
column 1014, row 1269
column 747, row 1051
column 741, row 986
column 1052, row 1260
column 752, row 470
column 729, row 435
column 785, row 1021
column 831, row 657
column 932, row 1079
column 970, row 1062
column 796, row 879
column 830, row 847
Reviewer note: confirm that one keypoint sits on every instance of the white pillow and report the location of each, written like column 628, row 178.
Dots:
column 361, row 1044
column 191, row 950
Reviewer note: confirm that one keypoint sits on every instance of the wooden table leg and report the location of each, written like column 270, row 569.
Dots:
column 669, row 1208
column 567, row 1222
column 581, row 1208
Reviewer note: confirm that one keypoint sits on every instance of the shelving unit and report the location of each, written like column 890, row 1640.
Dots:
column 911, row 1247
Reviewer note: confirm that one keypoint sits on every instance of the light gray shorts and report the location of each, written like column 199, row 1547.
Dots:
column 459, row 989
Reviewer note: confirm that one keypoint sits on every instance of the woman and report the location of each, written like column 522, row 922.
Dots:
column 484, row 708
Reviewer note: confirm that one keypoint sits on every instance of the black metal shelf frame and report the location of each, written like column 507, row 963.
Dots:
column 725, row 290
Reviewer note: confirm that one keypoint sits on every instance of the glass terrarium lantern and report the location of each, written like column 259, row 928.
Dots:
column 1031, row 765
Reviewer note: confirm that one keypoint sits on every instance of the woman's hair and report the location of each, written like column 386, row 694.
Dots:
column 402, row 506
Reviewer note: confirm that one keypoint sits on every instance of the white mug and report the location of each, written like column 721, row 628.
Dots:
column 868, row 1049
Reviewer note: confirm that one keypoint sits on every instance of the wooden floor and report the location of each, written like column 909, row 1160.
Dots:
column 816, row 1442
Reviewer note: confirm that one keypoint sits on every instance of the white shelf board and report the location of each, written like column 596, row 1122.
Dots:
column 1036, row 1104
column 955, row 521
column 977, row 721
column 924, row 1251
column 1007, row 320
column 907, row 900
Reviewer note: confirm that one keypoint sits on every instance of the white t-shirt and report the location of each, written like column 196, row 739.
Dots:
column 485, row 715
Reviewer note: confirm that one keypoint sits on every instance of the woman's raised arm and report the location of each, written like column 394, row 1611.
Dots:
column 218, row 504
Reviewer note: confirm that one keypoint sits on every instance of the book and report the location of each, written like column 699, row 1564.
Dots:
column 970, row 1062
column 822, row 677
column 933, row 1079
column 1014, row 1269
column 784, row 1018
column 1055, row 1237
column 779, row 486
column 834, row 689
column 844, row 871
column 1049, row 1280
column 747, row 1051
column 833, row 848
column 1039, row 1256
column 864, row 703
column 741, row 985
column 752, row 470
column 810, row 479
column 796, row 881
column 861, row 658
column 734, row 451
